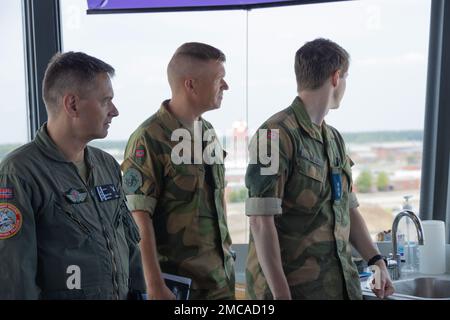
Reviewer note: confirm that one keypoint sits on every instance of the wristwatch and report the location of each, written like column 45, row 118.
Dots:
column 375, row 258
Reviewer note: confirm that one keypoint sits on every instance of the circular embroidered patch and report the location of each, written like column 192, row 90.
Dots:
column 132, row 180
column 10, row 220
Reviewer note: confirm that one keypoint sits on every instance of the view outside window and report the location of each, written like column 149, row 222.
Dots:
column 139, row 47
column 381, row 115
column 12, row 81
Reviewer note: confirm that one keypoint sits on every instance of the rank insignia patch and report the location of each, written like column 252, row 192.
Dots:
column 132, row 180
column 76, row 196
column 10, row 220
column 6, row 193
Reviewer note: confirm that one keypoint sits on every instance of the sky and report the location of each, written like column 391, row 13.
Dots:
column 387, row 41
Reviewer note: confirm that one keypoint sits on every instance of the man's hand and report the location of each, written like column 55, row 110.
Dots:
column 160, row 292
column 385, row 288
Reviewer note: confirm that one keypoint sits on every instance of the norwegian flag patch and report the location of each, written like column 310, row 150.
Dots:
column 6, row 193
column 140, row 152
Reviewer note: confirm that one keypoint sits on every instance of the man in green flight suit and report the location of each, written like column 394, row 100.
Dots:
column 176, row 189
column 303, row 213
column 65, row 229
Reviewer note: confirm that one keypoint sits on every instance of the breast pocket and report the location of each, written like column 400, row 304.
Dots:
column 69, row 222
column 64, row 239
column 124, row 219
column 306, row 185
column 181, row 183
column 125, row 237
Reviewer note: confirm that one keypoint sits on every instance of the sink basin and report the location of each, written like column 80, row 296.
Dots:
column 423, row 288
column 420, row 288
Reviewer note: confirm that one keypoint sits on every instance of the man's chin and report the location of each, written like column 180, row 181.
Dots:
column 102, row 135
column 212, row 108
column 218, row 105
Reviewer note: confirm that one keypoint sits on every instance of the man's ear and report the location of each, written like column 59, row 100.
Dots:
column 335, row 77
column 189, row 85
column 70, row 104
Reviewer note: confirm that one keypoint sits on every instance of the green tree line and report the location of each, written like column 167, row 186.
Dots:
column 383, row 136
column 366, row 182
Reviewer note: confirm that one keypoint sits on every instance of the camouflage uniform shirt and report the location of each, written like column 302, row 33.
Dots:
column 186, row 203
column 313, row 229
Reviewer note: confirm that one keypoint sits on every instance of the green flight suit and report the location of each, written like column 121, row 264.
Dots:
column 186, row 203
column 53, row 223
column 313, row 225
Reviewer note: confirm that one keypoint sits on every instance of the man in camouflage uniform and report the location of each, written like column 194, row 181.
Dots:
column 304, row 215
column 65, row 230
column 179, row 205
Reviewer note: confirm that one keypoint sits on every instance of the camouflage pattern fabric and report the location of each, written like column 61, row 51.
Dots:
column 56, row 220
column 186, row 203
column 313, row 229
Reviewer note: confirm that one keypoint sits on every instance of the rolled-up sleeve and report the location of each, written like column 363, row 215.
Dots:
column 141, row 176
column 141, row 202
column 263, row 206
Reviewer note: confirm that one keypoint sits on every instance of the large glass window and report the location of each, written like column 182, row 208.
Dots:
column 12, row 80
column 381, row 116
column 382, row 113
column 139, row 46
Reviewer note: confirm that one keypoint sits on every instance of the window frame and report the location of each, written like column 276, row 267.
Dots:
column 42, row 28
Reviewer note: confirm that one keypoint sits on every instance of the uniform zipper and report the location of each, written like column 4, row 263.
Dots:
column 111, row 251
column 75, row 219
column 82, row 226
column 105, row 233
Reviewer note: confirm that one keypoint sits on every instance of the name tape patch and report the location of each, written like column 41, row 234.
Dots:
column 107, row 192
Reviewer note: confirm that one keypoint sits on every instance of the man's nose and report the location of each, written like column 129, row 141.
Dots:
column 114, row 111
column 225, row 85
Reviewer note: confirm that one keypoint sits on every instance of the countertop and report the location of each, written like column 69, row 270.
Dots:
column 369, row 295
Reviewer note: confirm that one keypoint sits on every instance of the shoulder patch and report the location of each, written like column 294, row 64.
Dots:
column 132, row 180
column 6, row 193
column 10, row 220
column 140, row 152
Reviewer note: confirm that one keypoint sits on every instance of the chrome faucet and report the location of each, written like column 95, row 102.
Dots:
column 417, row 223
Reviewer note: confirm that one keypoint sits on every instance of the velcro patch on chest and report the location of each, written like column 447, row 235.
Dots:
column 75, row 196
column 107, row 192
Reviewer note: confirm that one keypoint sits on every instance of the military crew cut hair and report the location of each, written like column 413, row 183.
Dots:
column 71, row 70
column 317, row 60
column 200, row 51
